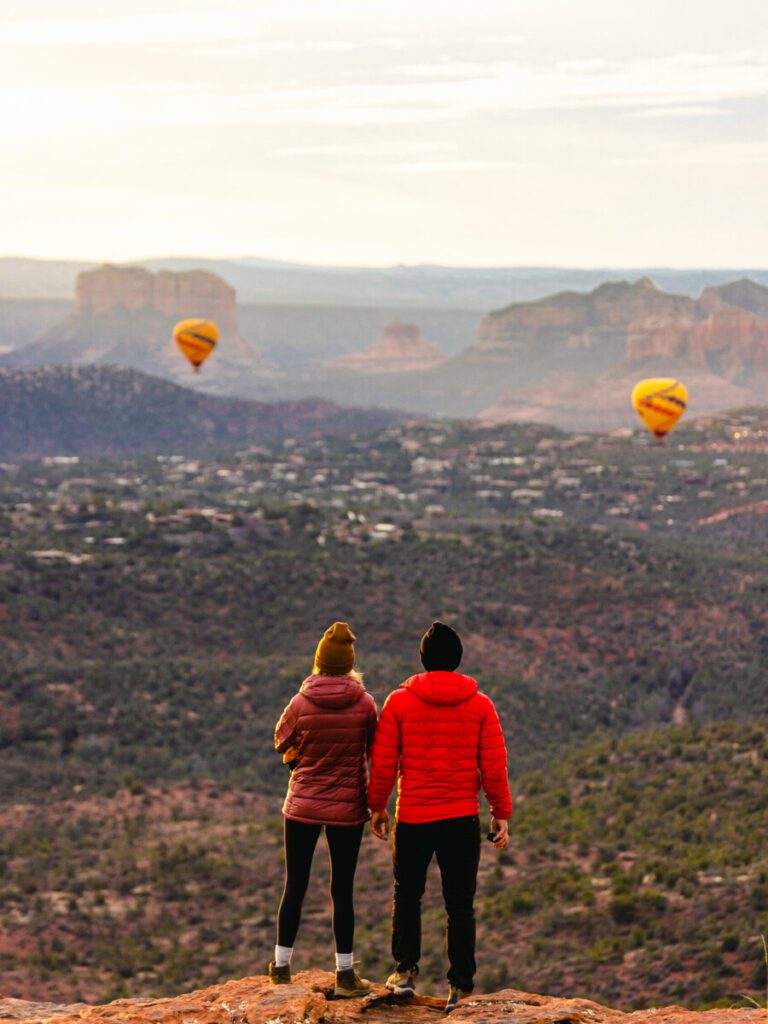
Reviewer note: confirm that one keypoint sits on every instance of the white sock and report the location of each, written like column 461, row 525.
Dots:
column 344, row 961
column 283, row 956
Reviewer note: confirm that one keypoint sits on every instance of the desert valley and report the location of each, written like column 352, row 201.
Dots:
column 569, row 359
column 157, row 546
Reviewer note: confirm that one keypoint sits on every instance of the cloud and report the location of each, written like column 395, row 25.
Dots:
column 459, row 91
column 520, row 86
column 400, row 157
column 365, row 150
column 735, row 154
column 451, row 166
column 691, row 110
column 194, row 67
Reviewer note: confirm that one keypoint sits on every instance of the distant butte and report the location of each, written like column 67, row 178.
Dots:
column 400, row 348
column 124, row 316
column 594, row 347
column 175, row 295
column 728, row 340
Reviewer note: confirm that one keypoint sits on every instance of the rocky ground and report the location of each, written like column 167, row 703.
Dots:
column 310, row 1000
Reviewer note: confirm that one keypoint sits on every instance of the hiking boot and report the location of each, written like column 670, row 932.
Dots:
column 279, row 975
column 402, row 983
column 349, row 984
column 454, row 995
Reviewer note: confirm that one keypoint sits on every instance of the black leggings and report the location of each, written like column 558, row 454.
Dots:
column 343, row 847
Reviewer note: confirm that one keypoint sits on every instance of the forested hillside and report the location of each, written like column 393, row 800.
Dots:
column 637, row 875
column 103, row 410
column 156, row 612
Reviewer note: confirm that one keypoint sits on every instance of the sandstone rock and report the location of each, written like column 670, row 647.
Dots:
column 744, row 293
column 22, row 1009
column 175, row 296
column 725, row 331
column 124, row 316
column 309, row 1001
column 578, row 356
column 572, row 359
column 657, row 336
column 611, row 307
column 731, row 341
column 401, row 348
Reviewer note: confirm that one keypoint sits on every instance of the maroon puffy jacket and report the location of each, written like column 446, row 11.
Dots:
column 331, row 722
column 443, row 738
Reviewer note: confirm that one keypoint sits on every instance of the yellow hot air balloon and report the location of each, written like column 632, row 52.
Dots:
column 196, row 340
column 660, row 402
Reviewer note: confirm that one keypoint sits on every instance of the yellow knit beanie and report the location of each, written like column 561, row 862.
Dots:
column 335, row 654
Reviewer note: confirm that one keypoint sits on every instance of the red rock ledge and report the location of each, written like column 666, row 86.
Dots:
column 309, row 1001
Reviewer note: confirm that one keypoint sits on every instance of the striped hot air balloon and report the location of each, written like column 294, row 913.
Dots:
column 660, row 402
column 196, row 340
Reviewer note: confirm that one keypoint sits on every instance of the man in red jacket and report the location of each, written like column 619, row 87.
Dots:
column 441, row 738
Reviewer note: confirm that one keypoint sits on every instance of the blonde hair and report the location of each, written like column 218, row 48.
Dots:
column 352, row 674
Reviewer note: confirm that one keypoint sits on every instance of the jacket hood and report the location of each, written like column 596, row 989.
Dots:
column 442, row 687
column 332, row 691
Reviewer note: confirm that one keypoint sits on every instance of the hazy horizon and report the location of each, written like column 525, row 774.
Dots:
column 266, row 261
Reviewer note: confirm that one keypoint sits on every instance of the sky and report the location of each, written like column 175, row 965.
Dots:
column 618, row 133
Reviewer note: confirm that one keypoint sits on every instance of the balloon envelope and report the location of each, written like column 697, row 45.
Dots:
column 196, row 339
column 660, row 402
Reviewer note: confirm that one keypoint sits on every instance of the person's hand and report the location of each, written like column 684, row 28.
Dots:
column 500, row 831
column 380, row 824
column 291, row 756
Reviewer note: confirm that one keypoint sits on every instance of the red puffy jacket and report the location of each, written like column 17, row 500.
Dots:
column 445, row 738
column 331, row 721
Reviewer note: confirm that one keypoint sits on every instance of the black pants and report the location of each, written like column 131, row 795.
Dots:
column 343, row 847
column 456, row 843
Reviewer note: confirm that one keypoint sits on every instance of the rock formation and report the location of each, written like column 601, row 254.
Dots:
column 729, row 341
column 581, row 320
column 309, row 1000
column 175, row 296
column 572, row 359
column 569, row 338
column 744, row 293
column 725, row 331
column 124, row 316
column 400, row 349
column 593, row 348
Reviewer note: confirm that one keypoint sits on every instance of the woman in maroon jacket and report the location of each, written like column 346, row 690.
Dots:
column 326, row 732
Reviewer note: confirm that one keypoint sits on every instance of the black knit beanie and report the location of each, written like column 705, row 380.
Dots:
column 440, row 648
